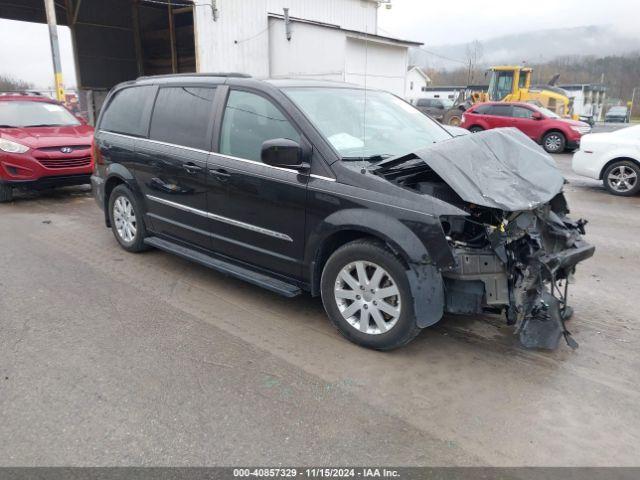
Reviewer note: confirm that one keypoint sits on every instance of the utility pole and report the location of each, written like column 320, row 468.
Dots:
column 50, row 8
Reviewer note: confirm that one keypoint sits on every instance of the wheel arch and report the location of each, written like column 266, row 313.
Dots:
column 345, row 226
column 117, row 174
column 553, row 130
column 614, row 160
column 336, row 239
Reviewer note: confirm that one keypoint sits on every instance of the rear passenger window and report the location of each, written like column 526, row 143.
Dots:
column 249, row 120
column 128, row 111
column 482, row 110
column 183, row 116
column 500, row 110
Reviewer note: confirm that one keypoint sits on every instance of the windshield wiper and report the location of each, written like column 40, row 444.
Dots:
column 45, row 125
column 371, row 158
column 8, row 126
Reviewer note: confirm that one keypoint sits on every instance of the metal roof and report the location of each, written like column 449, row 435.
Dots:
column 372, row 36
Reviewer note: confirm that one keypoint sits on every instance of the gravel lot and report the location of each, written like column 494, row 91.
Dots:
column 108, row 358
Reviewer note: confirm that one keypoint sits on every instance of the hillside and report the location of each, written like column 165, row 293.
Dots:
column 539, row 46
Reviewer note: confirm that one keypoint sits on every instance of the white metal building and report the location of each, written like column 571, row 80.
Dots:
column 588, row 99
column 120, row 40
column 330, row 39
column 416, row 84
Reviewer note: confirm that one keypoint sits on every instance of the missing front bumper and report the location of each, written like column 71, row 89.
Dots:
column 535, row 301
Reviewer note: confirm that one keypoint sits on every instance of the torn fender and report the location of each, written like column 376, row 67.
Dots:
column 427, row 289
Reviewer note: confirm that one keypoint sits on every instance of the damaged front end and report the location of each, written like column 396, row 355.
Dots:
column 516, row 249
column 520, row 263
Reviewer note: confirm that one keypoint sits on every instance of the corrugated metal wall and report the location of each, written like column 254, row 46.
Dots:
column 349, row 14
column 239, row 40
column 376, row 65
column 313, row 52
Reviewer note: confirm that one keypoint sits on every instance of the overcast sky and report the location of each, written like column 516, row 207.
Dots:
column 25, row 51
column 461, row 21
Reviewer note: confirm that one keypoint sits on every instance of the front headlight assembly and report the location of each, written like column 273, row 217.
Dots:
column 12, row 147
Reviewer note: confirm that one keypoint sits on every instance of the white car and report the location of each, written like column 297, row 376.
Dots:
column 613, row 157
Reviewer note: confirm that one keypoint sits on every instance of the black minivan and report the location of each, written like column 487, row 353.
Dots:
column 342, row 192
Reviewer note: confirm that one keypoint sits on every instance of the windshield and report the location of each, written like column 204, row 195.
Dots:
column 500, row 85
column 618, row 110
column 387, row 126
column 31, row 114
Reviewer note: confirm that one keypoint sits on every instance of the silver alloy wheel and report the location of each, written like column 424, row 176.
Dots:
column 367, row 297
column 622, row 178
column 125, row 219
column 553, row 142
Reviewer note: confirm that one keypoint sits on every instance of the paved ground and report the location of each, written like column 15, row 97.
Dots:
column 108, row 358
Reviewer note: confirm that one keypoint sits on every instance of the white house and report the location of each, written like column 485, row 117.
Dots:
column 328, row 39
column 416, row 83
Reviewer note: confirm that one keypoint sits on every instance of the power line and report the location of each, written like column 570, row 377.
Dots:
column 444, row 57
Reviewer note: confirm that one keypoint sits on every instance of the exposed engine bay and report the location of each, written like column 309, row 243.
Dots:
column 516, row 249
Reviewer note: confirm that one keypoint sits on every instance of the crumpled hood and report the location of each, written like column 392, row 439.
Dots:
column 500, row 168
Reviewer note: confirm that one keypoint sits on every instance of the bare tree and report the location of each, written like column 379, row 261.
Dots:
column 474, row 54
column 8, row 83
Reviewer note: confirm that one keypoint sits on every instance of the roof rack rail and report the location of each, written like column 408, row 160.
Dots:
column 200, row 74
column 21, row 93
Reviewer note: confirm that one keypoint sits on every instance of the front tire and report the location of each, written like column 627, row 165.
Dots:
column 6, row 193
column 126, row 220
column 476, row 129
column 366, row 294
column 453, row 117
column 554, row 142
column 621, row 178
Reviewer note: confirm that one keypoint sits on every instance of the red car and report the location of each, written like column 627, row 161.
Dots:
column 42, row 145
column 554, row 133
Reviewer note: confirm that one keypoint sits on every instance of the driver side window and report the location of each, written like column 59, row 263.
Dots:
column 249, row 120
column 521, row 112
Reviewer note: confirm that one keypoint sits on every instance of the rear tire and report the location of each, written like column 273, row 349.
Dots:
column 554, row 142
column 377, row 291
column 622, row 178
column 126, row 220
column 6, row 193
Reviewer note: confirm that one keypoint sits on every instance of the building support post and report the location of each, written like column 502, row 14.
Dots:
column 55, row 49
column 172, row 39
column 137, row 39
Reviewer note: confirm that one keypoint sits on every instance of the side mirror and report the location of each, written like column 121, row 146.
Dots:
column 283, row 153
column 537, row 116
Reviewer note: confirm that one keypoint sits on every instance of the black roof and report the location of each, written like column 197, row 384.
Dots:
column 238, row 79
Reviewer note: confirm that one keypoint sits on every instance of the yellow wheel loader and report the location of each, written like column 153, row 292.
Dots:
column 512, row 83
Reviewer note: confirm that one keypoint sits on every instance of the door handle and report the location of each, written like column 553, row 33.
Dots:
column 220, row 173
column 192, row 167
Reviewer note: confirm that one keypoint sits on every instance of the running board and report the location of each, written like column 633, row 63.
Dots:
column 231, row 269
